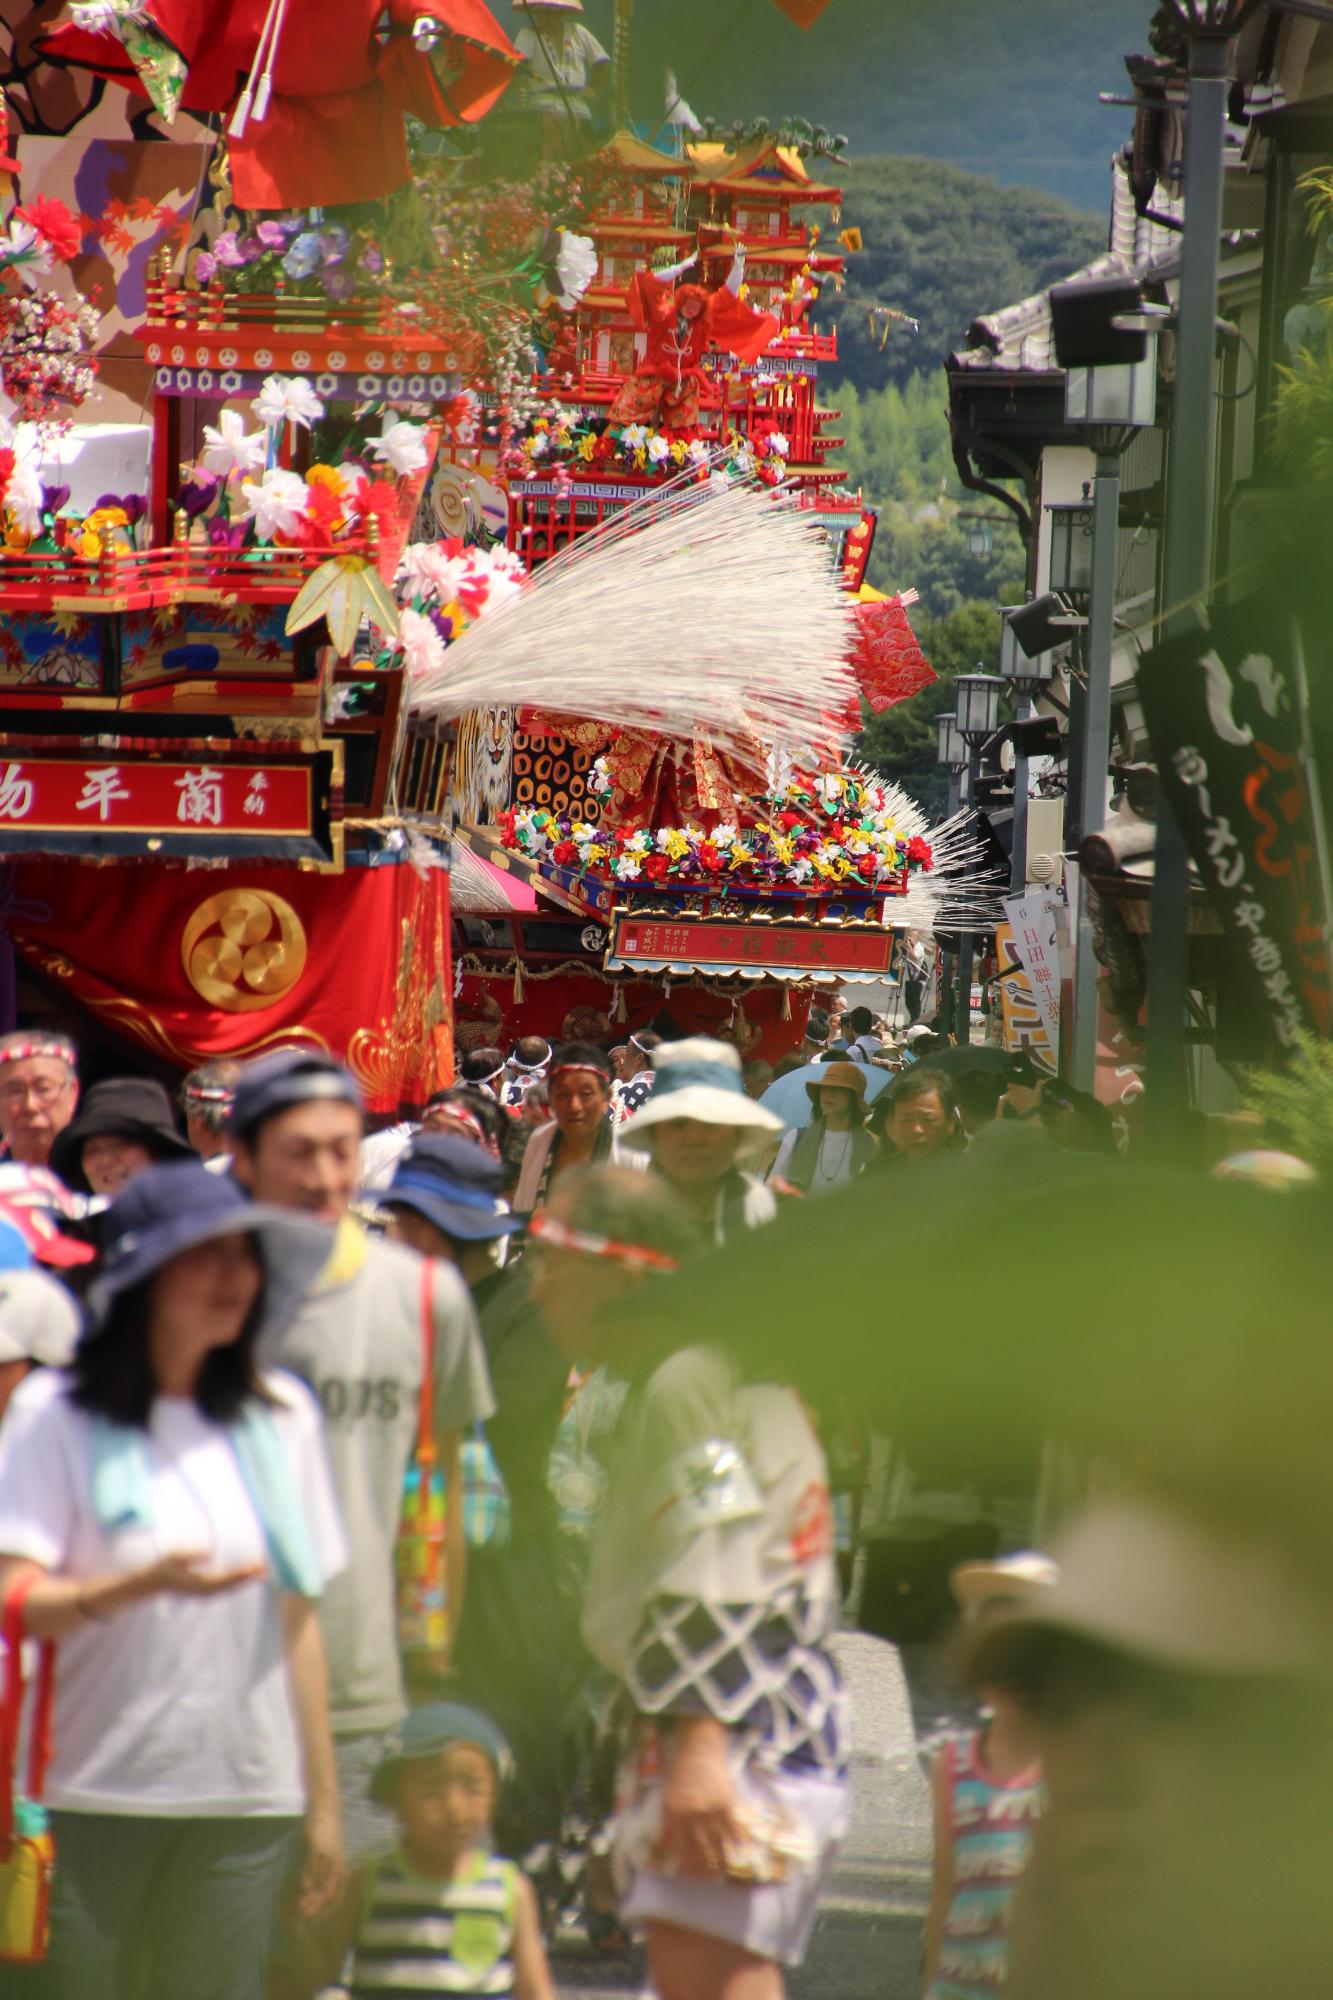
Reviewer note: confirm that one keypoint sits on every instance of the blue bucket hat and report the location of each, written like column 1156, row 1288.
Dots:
column 291, row 1076
column 454, row 1185
column 426, row 1732
column 176, row 1206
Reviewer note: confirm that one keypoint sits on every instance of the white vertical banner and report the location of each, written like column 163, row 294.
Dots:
column 1036, row 946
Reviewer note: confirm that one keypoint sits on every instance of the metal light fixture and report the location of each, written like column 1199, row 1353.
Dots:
column 1026, row 676
column 950, row 749
column 978, row 710
column 1071, row 546
column 1120, row 398
column 1211, row 17
column 980, row 538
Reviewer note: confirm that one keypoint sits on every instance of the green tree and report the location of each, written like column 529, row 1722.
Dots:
column 901, row 742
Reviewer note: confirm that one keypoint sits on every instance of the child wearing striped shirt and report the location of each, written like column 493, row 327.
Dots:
column 442, row 1915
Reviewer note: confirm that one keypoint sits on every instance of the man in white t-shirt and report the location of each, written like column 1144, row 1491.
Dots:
column 359, row 1341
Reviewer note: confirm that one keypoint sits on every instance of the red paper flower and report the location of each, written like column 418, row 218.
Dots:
column 54, row 223
column 919, row 852
column 378, row 499
column 709, row 857
column 565, row 853
column 655, row 867
column 508, row 837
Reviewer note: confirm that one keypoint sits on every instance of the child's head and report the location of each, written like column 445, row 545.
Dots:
column 441, row 1776
column 986, row 1594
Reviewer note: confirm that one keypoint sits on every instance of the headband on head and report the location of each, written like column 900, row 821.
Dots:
column 459, row 1114
column 55, row 1046
column 639, row 1046
column 530, row 1069
column 208, row 1093
column 588, row 1069
column 632, row 1256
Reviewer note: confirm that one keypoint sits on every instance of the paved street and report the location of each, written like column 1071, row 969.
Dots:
column 867, row 1943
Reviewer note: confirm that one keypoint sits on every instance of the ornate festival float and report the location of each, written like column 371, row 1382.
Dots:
column 481, row 514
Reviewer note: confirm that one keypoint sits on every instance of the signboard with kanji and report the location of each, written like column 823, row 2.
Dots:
column 780, row 948
column 121, row 804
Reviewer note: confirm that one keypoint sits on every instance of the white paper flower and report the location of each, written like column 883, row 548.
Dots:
column 634, row 437
column 537, row 445
column 501, row 572
column 427, row 570
column 801, row 869
column 26, row 251
column 575, row 268
column 287, row 399
column 23, row 492
column 276, row 504
column 659, row 450
column 778, row 443
column 724, row 836
column 423, row 648
column 229, row 448
column 697, row 452
column 402, row 446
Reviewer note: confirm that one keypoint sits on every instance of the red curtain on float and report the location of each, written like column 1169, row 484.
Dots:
column 199, row 963
column 579, row 1007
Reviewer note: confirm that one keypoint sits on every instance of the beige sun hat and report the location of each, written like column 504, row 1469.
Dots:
column 1151, row 1581
column 699, row 1078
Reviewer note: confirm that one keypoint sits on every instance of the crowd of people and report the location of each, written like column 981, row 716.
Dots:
column 386, row 1560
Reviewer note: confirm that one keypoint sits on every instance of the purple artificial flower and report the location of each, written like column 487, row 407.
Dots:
column 205, row 267
column 136, row 506
column 226, row 534
column 305, row 255
column 197, row 495
column 443, row 624
column 339, row 284
column 333, row 245
column 54, row 498
column 372, row 259
column 227, row 250
column 271, row 235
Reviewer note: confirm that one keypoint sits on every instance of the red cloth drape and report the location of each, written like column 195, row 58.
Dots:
column 230, row 963
column 577, row 1007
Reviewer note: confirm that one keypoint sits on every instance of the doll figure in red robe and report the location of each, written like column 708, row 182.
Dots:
column 682, row 323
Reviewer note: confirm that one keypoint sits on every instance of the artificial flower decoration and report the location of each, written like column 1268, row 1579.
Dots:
column 230, row 449
column 402, row 447
column 820, row 830
column 287, row 399
column 276, row 504
column 20, row 481
column 53, row 223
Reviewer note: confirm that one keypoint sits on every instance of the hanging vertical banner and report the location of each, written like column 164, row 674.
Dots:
column 1224, row 711
column 1034, row 947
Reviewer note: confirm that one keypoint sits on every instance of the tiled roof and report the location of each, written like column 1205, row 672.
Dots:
column 1019, row 339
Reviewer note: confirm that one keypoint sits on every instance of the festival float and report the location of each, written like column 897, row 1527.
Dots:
column 484, row 521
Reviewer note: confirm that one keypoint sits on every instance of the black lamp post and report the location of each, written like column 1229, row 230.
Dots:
column 951, row 756
column 1027, row 677
column 977, row 717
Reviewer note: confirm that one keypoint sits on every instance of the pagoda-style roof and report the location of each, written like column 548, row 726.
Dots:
column 763, row 169
column 636, row 156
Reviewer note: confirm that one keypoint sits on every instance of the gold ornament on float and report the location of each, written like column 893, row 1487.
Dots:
column 243, row 949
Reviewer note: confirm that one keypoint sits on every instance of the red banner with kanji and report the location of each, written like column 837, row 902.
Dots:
column 193, row 964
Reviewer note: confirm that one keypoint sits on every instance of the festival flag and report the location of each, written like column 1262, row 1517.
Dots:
column 1223, row 709
column 887, row 658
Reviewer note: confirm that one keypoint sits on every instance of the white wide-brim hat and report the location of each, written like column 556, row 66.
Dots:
column 701, row 1079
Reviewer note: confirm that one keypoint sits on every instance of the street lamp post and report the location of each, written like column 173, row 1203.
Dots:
column 977, row 716
column 1209, row 27
column 950, row 755
column 1112, row 404
column 1026, row 676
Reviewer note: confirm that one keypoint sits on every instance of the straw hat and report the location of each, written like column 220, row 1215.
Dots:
column 837, row 1076
column 700, row 1079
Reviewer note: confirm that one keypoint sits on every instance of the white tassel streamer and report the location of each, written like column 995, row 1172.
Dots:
column 715, row 607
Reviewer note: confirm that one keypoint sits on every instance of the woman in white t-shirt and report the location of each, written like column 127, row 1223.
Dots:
column 171, row 1515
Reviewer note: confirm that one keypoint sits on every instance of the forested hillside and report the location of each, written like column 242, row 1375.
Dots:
column 943, row 246
column 1006, row 88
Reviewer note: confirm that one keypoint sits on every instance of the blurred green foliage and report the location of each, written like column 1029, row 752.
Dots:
column 1298, row 1101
